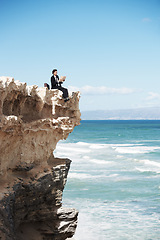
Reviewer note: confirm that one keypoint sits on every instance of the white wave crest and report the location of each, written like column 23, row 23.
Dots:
column 137, row 149
column 97, row 161
column 79, row 175
column 152, row 163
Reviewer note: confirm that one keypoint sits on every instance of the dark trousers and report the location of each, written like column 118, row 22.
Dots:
column 64, row 90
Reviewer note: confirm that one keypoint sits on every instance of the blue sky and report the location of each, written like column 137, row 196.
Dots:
column 109, row 50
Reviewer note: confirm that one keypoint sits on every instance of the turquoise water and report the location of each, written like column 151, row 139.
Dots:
column 114, row 180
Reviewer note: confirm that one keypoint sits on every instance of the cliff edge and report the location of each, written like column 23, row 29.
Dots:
column 32, row 121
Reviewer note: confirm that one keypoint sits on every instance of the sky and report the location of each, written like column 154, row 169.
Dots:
column 108, row 49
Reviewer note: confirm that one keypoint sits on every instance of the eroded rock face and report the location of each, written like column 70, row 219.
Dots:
column 32, row 121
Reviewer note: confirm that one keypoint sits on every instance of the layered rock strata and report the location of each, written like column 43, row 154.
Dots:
column 32, row 121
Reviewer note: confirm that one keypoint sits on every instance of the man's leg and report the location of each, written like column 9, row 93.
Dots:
column 65, row 91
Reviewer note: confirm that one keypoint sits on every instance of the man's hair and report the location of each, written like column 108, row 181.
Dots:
column 54, row 70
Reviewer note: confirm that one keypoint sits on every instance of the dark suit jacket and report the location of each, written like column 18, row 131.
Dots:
column 54, row 84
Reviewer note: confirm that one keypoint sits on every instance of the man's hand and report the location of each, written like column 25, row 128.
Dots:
column 62, row 79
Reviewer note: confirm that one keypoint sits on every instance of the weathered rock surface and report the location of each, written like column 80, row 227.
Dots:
column 32, row 121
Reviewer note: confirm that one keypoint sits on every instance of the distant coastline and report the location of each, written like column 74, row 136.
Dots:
column 123, row 114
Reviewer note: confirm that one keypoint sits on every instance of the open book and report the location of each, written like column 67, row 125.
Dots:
column 62, row 78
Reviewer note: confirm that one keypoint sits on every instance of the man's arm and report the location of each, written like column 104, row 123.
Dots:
column 59, row 81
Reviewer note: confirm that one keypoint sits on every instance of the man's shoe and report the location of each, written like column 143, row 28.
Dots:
column 67, row 99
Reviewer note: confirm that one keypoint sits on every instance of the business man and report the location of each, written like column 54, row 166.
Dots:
column 56, row 84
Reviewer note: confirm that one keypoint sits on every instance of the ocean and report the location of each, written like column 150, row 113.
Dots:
column 114, row 179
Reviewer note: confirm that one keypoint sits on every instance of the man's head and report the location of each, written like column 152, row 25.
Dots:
column 54, row 72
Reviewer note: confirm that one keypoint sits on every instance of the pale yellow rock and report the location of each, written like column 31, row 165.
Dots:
column 32, row 121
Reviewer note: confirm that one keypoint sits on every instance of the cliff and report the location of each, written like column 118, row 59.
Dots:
column 32, row 121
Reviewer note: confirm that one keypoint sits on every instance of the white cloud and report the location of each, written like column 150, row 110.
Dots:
column 152, row 100
column 90, row 90
column 146, row 20
column 153, row 96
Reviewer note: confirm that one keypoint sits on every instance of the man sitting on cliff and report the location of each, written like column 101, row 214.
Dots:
column 56, row 84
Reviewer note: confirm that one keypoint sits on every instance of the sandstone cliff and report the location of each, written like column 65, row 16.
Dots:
column 32, row 121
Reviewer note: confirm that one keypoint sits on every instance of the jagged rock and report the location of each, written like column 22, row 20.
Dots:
column 32, row 121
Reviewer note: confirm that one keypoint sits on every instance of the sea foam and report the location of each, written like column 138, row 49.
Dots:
column 137, row 149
